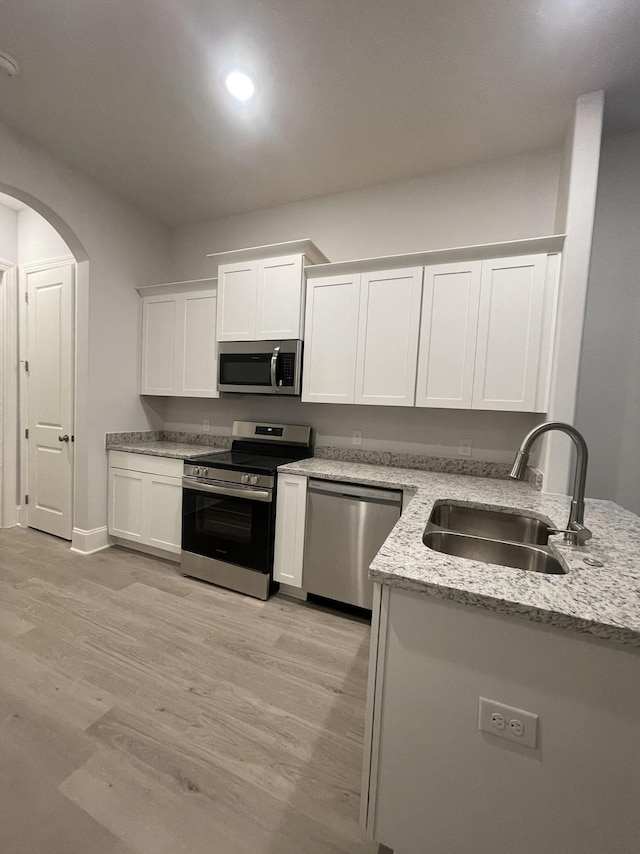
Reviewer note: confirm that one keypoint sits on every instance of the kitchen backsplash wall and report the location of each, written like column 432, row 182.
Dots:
column 436, row 432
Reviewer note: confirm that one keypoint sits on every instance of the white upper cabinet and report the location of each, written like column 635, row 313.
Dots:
column 331, row 331
column 159, row 333
column 179, row 339
column 261, row 300
column 448, row 332
column 237, row 296
column 389, row 320
column 476, row 335
column 280, row 298
column 512, row 295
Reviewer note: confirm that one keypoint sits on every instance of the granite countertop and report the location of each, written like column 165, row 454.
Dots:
column 172, row 444
column 174, row 450
column 604, row 602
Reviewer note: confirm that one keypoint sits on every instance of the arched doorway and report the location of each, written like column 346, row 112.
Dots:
column 50, row 269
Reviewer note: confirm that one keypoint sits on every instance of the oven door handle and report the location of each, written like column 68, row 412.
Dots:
column 274, row 366
column 249, row 493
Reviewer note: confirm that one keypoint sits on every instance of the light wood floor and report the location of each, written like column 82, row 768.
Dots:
column 144, row 712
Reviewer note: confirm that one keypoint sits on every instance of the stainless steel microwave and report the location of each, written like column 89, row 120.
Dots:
column 260, row 367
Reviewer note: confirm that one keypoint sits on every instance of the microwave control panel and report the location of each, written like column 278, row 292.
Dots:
column 287, row 369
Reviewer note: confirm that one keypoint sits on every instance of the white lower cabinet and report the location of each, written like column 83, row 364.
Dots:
column 145, row 500
column 291, row 511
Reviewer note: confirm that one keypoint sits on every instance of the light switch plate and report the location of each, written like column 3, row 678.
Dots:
column 508, row 722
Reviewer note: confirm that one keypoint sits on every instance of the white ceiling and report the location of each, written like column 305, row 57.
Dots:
column 350, row 92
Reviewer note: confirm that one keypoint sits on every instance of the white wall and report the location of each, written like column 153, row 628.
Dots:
column 501, row 200
column 495, row 435
column 580, row 187
column 118, row 248
column 37, row 239
column 8, row 235
column 608, row 408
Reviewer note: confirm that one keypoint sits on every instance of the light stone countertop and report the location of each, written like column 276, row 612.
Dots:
column 173, row 450
column 174, row 444
column 604, row 602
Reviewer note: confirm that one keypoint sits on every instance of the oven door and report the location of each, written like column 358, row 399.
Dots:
column 228, row 523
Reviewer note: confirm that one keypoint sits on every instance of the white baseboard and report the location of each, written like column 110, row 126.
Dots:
column 89, row 542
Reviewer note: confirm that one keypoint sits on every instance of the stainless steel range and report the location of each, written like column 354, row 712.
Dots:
column 229, row 507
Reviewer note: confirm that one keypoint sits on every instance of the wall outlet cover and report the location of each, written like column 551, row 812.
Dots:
column 508, row 722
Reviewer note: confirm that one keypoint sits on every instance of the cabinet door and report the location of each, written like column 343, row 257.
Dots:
column 388, row 337
column 198, row 363
column 159, row 351
column 331, row 330
column 291, row 509
column 448, row 333
column 509, row 333
column 237, row 294
column 163, row 510
column 279, row 299
column 126, row 504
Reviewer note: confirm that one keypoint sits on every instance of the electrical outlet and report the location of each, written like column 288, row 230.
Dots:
column 356, row 437
column 206, row 425
column 465, row 448
column 508, row 722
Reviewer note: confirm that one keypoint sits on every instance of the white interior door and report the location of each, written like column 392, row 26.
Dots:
column 50, row 399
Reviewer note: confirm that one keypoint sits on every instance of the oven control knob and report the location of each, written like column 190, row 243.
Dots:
column 253, row 479
column 195, row 471
column 245, row 478
column 204, row 472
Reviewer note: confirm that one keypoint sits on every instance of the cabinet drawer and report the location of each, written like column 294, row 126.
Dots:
column 146, row 463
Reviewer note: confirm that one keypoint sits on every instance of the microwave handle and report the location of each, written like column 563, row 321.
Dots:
column 274, row 365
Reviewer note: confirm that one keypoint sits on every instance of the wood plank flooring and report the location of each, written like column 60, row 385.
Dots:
column 145, row 713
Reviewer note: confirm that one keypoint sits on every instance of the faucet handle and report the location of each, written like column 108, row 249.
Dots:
column 576, row 534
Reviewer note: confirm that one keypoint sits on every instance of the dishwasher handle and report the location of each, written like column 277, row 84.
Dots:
column 354, row 490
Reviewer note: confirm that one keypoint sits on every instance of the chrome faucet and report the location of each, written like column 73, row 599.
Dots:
column 575, row 533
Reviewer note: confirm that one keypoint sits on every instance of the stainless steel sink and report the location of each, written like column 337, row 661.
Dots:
column 492, row 536
column 517, row 555
column 495, row 524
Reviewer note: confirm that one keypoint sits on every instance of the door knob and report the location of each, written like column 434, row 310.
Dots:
column 64, row 438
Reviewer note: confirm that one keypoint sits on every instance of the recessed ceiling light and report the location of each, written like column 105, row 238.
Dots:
column 8, row 64
column 240, row 85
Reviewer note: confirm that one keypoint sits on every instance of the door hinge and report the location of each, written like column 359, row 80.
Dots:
column 26, row 499
column 26, row 365
column 26, row 434
column 26, row 296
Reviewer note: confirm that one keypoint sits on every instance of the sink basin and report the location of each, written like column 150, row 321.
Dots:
column 494, row 524
column 517, row 555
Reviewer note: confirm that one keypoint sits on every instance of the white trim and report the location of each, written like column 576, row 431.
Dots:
column 48, row 264
column 90, row 542
column 8, row 394
column 305, row 247
column 481, row 252
column 178, row 287
column 373, row 711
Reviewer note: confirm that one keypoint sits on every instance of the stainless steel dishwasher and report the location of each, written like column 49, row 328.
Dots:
column 346, row 525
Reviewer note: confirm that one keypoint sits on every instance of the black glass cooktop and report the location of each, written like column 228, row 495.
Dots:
column 239, row 461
